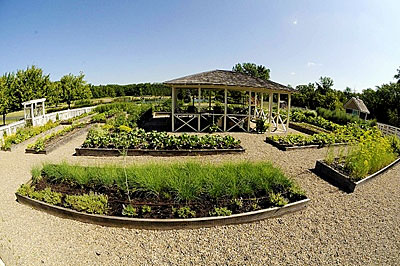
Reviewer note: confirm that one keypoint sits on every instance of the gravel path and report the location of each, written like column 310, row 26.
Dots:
column 336, row 228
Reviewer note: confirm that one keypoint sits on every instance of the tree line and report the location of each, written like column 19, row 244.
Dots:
column 31, row 83
column 383, row 102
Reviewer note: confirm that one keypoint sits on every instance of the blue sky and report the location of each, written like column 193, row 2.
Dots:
column 357, row 43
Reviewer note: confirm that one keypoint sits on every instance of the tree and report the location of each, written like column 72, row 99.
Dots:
column 397, row 76
column 29, row 84
column 5, row 98
column 74, row 87
column 324, row 85
column 253, row 70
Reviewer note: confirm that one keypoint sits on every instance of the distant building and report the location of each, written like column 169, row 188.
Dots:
column 356, row 106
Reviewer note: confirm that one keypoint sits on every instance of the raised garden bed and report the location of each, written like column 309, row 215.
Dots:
column 307, row 128
column 59, row 140
column 164, row 224
column 18, row 139
column 293, row 147
column 163, row 196
column 344, row 181
column 104, row 152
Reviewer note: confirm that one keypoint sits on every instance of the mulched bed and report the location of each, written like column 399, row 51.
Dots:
column 285, row 147
column 160, row 207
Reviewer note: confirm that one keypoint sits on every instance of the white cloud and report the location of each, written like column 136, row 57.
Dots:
column 292, row 73
column 295, row 22
column 312, row 64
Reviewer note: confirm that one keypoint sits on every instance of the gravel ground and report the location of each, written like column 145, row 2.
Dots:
column 336, row 228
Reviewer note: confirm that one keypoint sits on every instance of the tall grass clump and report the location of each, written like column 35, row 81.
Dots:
column 182, row 182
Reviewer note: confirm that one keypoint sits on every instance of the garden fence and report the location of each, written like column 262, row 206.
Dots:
column 389, row 130
column 41, row 120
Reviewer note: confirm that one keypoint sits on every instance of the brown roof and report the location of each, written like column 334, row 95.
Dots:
column 356, row 104
column 226, row 78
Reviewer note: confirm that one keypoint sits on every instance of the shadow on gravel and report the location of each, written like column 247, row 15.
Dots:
column 336, row 185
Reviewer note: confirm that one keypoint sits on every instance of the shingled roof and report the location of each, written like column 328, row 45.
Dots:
column 356, row 104
column 226, row 78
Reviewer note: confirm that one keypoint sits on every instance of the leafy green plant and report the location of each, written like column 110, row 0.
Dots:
column 262, row 125
column 183, row 212
column 146, row 209
column 277, row 199
column 90, row 203
column 129, row 210
column 139, row 139
column 222, row 211
column 46, row 195
column 23, row 134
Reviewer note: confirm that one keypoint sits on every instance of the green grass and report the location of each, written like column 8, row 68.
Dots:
column 181, row 181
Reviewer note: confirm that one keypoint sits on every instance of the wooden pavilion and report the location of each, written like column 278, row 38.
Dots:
column 200, row 120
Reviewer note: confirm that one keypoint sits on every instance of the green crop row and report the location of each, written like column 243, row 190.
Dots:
column 180, row 181
column 127, row 138
column 25, row 133
column 41, row 143
column 342, row 134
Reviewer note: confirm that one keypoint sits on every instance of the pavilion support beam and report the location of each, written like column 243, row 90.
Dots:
column 249, row 114
column 262, row 101
column 43, row 110
column 271, row 98
column 199, row 106
column 173, row 109
column 32, row 115
column 278, row 109
column 255, row 104
column 225, row 107
column 288, row 112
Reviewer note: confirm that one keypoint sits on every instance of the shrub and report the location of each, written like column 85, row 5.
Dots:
column 341, row 117
column 262, row 125
column 90, row 203
column 220, row 212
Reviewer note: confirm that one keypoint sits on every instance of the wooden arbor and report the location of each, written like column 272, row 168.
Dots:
column 225, row 80
column 34, row 109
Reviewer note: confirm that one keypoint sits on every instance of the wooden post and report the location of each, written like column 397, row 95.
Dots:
column 255, row 104
column 32, row 115
column 271, row 98
column 278, row 109
column 288, row 112
column 262, row 102
column 249, row 114
column 173, row 109
column 226, row 108
column 199, row 118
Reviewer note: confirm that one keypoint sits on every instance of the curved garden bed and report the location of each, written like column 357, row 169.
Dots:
column 164, row 224
column 160, row 196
